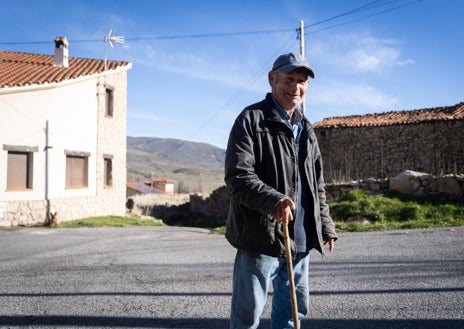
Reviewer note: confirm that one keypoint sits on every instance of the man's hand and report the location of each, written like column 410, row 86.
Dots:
column 330, row 243
column 283, row 210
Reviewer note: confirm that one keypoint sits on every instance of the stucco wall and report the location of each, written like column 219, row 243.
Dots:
column 356, row 153
column 70, row 111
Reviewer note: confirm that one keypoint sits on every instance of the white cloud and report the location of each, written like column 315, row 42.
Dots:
column 359, row 53
column 355, row 97
column 143, row 115
column 208, row 66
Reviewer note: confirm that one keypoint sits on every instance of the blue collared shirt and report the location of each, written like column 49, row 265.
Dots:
column 297, row 126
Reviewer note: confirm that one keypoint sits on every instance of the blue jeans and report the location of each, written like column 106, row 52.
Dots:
column 252, row 276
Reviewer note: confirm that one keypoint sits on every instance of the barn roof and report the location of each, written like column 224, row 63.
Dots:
column 445, row 113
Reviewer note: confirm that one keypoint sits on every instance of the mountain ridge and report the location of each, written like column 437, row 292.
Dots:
column 194, row 166
column 197, row 153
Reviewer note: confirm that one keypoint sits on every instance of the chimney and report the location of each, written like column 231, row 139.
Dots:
column 61, row 52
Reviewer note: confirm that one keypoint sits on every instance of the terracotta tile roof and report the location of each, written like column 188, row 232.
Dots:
column 24, row 69
column 143, row 188
column 162, row 180
column 455, row 112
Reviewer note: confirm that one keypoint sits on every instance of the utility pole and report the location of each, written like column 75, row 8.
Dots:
column 302, row 53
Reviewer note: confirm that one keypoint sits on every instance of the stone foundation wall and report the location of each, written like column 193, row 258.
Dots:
column 30, row 213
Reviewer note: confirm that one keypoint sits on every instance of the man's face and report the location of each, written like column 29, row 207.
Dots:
column 289, row 89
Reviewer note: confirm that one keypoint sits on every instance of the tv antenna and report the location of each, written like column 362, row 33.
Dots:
column 109, row 39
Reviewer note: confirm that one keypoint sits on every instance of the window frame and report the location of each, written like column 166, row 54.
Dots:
column 109, row 101
column 26, row 173
column 107, row 170
column 77, row 176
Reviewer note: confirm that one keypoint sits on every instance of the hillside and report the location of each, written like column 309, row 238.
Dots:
column 195, row 167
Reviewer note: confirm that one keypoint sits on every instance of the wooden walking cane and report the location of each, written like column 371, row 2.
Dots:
column 288, row 257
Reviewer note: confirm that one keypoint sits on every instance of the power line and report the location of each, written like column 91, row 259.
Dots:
column 166, row 37
column 362, row 18
column 368, row 6
column 210, row 35
column 248, row 83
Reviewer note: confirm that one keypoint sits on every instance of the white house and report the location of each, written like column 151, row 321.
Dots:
column 165, row 185
column 62, row 137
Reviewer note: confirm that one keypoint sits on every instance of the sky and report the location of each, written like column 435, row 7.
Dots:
column 197, row 63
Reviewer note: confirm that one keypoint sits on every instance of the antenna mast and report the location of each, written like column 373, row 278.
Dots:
column 302, row 48
column 109, row 39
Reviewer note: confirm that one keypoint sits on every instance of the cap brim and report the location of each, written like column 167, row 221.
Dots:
column 288, row 68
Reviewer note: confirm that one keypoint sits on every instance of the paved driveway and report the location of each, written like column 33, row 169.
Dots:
column 171, row 277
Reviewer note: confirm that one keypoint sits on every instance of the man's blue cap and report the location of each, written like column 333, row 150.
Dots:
column 291, row 61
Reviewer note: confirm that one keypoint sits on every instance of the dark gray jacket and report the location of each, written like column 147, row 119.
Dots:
column 261, row 167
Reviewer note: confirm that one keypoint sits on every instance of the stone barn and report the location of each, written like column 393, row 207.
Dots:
column 384, row 145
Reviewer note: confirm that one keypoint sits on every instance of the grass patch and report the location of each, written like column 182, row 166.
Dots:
column 355, row 212
column 359, row 212
column 110, row 221
column 219, row 230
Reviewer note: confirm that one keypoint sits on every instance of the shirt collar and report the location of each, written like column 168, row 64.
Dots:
column 298, row 116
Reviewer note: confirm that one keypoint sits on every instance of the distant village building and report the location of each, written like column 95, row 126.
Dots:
column 159, row 185
column 384, row 145
column 62, row 136
column 164, row 184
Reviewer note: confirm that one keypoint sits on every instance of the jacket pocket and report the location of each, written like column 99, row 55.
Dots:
column 258, row 230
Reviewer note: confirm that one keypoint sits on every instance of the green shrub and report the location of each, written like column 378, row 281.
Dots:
column 358, row 211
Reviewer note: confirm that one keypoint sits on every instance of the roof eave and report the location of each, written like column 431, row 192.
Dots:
column 44, row 86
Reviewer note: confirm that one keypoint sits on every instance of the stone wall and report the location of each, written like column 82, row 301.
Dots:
column 356, row 153
column 447, row 187
column 144, row 203
column 215, row 205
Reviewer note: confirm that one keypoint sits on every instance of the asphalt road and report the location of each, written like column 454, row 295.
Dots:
column 172, row 277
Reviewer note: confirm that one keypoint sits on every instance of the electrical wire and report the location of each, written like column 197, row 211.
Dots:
column 368, row 6
column 361, row 18
column 247, row 84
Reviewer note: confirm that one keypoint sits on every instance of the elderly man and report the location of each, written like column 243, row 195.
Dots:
column 273, row 169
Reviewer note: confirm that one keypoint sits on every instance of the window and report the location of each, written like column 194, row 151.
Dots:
column 108, row 171
column 19, row 167
column 109, row 101
column 77, row 164
column 19, row 171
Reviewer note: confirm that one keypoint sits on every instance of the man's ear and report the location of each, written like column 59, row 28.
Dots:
column 271, row 77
